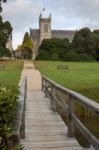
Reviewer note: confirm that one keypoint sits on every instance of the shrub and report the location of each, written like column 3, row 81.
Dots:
column 55, row 57
column 43, row 55
column 8, row 101
column 73, row 56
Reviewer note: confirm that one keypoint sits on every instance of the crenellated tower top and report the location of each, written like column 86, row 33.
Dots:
column 44, row 26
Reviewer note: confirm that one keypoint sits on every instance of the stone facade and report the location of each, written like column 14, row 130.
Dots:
column 9, row 43
column 44, row 28
column 45, row 32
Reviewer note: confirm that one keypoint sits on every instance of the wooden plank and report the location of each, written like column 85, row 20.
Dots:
column 44, row 128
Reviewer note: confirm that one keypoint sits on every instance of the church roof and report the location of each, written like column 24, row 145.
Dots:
column 63, row 34
column 34, row 34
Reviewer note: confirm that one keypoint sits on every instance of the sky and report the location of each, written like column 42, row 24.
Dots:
column 66, row 14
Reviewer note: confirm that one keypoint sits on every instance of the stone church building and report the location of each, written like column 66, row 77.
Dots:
column 46, row 32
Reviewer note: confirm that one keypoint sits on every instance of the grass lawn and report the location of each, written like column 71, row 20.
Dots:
column 81, row 77
column 11, row 72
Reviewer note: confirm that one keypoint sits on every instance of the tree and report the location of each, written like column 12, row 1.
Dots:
column 27, row 42
column 27, row 47
column 18, row 53
column 96, row 41
column 54, row 47
column 5, row 32
column 83, row 42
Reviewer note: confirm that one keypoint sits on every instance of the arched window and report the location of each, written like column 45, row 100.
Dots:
column 46, row 28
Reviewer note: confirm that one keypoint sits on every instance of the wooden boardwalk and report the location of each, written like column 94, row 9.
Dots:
column 44, row 128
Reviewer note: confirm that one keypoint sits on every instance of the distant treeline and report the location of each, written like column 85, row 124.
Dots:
column 84, row 47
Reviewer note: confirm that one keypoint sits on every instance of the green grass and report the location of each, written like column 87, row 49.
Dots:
column 11, row 73
column 81, row 77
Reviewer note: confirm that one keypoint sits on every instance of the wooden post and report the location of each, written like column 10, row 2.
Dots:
column 16, row 140
column 46, row 84
column 22, row 134
column 10, row 144
column 71, row 125
column 53, row 100
column 42, row 84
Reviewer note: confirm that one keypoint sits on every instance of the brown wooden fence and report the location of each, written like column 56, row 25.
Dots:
column 58, row 103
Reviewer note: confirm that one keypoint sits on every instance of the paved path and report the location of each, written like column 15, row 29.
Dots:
column 45, row 130
column 33, row 77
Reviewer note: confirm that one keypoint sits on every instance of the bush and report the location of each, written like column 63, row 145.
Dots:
column 18, row 147
column 55, row 57
column 73, row 56
column 43, row 55
column 8, row 101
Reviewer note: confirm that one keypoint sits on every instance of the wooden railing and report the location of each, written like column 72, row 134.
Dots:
column 19, row 121
column 57, row 95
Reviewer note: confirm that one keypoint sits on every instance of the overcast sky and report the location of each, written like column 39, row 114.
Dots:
column 66, row 14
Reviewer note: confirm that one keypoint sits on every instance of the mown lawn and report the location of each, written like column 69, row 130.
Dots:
column 81, row 77
column 11, row 72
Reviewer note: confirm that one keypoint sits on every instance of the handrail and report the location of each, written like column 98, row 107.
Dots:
column 20, row 109
column 51, row 90
column 86, row 101
column 19, row 121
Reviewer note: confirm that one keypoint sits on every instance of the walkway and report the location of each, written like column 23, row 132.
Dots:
column 45, row 130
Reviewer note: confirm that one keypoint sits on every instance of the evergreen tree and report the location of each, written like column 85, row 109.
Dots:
column 27, row 46
column 83, row 42
column 27, row 42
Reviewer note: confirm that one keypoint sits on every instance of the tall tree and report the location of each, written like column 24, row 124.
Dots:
column 53, row 49
column 96, row 40
column 27, row 42
column 5, row 32
column 83, row 41
column 27, row 46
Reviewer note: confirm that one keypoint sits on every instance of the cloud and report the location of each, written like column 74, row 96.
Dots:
column 66, row 14
column 22, row 14
column 85, row 11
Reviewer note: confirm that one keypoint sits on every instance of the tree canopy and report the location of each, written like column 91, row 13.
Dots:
column 27, row 46
column 27, row 42
column 5, row 32
column 53, row 49
column 84, row 47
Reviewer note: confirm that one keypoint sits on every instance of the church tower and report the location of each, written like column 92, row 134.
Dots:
column 44, row 28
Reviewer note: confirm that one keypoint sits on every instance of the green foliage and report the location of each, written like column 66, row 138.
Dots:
column 19, row 147
column 5, row 32
column 43, row 55
column 96, row 41
column 96, row 32
column 84, row 47
column 8, row 100
column 55, row 56
column 51, row 48
column 73, row 56
column 27, row 47
column 5, row 52
column 9, row 78
column 27, row 43
column 84, row 42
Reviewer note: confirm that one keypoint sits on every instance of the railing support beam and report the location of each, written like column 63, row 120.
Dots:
column 71, row 125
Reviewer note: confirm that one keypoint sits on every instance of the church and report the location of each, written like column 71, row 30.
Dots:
column 46, row 32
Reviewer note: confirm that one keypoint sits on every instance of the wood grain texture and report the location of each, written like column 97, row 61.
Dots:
column 44, row 128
